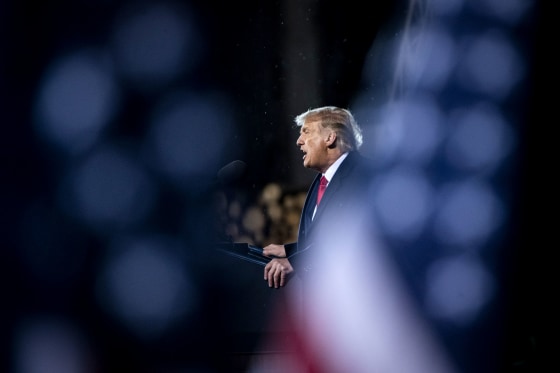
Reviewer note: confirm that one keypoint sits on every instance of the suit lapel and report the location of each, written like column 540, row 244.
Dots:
column 309, row 206
column 342, row 173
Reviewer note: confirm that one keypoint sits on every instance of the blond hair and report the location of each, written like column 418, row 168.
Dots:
column 348, row 133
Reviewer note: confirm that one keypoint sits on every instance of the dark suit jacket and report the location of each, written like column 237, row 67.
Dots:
column 346, row 195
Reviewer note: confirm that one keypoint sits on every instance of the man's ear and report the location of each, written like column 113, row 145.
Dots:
column 331, row 139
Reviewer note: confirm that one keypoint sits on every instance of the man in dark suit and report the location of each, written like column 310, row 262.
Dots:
column 354, row 311
column 329, row 139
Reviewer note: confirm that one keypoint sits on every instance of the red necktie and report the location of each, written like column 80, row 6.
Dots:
column 322, row 186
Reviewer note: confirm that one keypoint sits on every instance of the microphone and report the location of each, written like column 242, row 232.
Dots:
column 232, row 172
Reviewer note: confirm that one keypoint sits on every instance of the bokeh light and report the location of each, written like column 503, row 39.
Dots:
column 187, row 128
column 432, row 59
column 480, row 139
column 404, row 200
column 144, row 284
column 154, row 44
column 458, row 288
column 77, row 100
column 108, row 191
column 491, row 65
column 468, row 213
column 47, row 344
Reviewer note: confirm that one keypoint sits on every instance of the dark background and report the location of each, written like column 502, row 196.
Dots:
column 245, row 56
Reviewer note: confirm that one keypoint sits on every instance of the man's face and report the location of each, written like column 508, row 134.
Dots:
column 312, row 142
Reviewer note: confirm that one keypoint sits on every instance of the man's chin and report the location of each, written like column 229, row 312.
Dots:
column 307, row 164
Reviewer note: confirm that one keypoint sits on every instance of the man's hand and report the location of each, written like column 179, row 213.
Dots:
column 274, row 251
column 277, row 272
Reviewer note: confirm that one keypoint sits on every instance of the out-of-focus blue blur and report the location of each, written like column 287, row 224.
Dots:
column 117, row 117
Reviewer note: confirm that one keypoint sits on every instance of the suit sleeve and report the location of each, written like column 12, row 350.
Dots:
column 291, row 248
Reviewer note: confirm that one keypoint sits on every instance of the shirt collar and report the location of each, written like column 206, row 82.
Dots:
column 332, row 169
